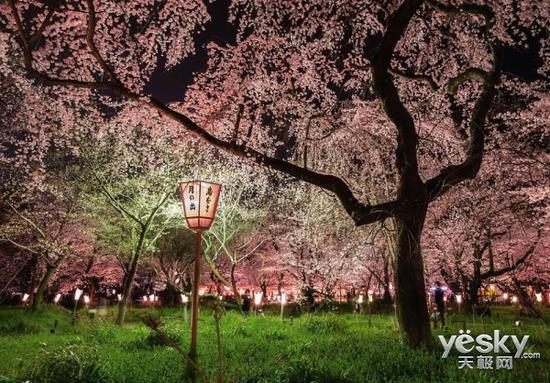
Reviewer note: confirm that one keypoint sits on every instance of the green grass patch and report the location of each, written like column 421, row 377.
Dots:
column 323, row 347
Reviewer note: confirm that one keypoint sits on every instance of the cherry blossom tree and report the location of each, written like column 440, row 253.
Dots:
column 237, row 234
column 130, row 200
column 285, row 84
column 46, row 227
column 172, row 259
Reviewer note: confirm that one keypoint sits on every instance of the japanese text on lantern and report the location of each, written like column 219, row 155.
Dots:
column 200, row 200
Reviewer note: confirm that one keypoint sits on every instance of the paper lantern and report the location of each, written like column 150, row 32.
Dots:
column 200, row 201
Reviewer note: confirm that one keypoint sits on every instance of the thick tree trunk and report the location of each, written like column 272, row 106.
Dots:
column 526, row 306
column 39, row 296
column 410, row 291
column 472, row 300
column 386, row 298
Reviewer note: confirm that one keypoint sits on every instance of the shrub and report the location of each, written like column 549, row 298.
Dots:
column 71, row 363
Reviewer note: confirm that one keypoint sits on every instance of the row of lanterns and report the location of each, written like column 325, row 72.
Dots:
column 259, row 295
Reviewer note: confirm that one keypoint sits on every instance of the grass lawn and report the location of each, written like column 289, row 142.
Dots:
column 311, row 348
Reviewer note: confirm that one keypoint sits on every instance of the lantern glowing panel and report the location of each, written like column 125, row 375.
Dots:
column 200, row 201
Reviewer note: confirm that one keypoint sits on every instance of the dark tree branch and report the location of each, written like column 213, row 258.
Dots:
column 468, row 74
column 36, row 35
column 468, row 169
column 407, row 139
column 90, row 34
column 496, row 273
column 416, row 77
column 238, row 123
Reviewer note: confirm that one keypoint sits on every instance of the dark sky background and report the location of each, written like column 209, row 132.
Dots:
column 170, row 85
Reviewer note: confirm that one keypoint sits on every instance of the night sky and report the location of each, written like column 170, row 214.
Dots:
column 170, row 85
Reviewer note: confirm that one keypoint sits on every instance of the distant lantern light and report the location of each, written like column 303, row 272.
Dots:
column 119, row 297
column 258, row 298
column 459, row 299
column 283, row 302
column 86, row 299
column 114, row 291
column 514, row 299
column 145, row 298
column 25, row 297
column 200, row 201
column 360, row 299
column 539, row 297
column 505, row 296
column 57, row 298
column 152, row 297
column 77, row 294
column 371, row 298
column 184, row 298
